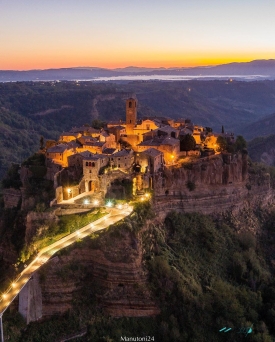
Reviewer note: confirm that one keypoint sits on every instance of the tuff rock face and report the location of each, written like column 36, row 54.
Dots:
column 213, row 184
column 116, row 269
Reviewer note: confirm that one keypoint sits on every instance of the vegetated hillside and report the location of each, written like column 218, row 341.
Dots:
column 263, row 127
column 210, row 103
column 29, row 110
column 262, row 149
column 204, row 274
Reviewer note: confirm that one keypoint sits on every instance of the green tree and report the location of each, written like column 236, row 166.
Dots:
column 97, row 124
column 222, row 144
column 240, row 143
column 208, row 129
column 187, row 142
column 41, row 141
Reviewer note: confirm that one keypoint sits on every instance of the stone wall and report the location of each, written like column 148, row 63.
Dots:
column 30, row 300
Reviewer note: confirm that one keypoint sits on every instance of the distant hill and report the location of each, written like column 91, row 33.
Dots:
column 264, row 69
column 263, row 127
column 262, row 149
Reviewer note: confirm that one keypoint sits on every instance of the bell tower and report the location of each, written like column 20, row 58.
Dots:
column 131, row 115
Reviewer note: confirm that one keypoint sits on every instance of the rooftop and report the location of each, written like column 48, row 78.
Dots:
column 158, row 141
column 123, row 153
column 152, row 152
column 60, row 148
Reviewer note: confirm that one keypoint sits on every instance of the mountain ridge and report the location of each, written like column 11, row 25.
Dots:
column 261, row 68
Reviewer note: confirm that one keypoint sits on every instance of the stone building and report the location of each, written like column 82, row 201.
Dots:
column 108, row 138
column 59, row 154
column 150, row 160
column 86, row 131
column 92, row 165
column 69, row 136
column 170, row 147
column 131, row 115
column 123, row 159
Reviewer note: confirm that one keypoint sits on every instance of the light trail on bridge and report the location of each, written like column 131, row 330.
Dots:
column 46, row 253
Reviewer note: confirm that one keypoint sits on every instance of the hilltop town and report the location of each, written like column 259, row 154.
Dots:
column 135, row 149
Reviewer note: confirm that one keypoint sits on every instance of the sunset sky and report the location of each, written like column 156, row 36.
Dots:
column 41, row 34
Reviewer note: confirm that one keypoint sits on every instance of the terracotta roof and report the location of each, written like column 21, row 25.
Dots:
column 58, row 148
column 185, row 131
column 94, row 143
column 69, row 134
column 158, row 141
column 123, row 153
column 109, row 151
column 152, row 152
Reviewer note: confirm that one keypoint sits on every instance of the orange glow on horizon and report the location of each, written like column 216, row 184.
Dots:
column 146, row 60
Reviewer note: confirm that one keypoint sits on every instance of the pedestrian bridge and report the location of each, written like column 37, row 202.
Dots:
column 27, row 286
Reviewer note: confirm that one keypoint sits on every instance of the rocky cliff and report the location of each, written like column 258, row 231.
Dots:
column 114, row 269
column 213, row 184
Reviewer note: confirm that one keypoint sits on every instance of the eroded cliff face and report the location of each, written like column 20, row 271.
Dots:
column 114, row 270
column 210, row 185
column 222, row 169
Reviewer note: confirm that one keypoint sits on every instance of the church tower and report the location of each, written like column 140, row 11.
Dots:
column 131, row 115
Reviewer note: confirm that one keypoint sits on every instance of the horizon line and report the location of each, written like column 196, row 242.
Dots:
column 138, row 67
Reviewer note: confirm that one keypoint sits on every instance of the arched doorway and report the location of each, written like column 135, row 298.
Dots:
column 91, row 186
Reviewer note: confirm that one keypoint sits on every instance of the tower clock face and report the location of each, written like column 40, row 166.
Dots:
column 130, row 111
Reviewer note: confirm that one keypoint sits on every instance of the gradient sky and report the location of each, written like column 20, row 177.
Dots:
column 41, row 34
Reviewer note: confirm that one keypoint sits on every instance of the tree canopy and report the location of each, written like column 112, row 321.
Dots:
column 187, row 142
column 222, row 144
